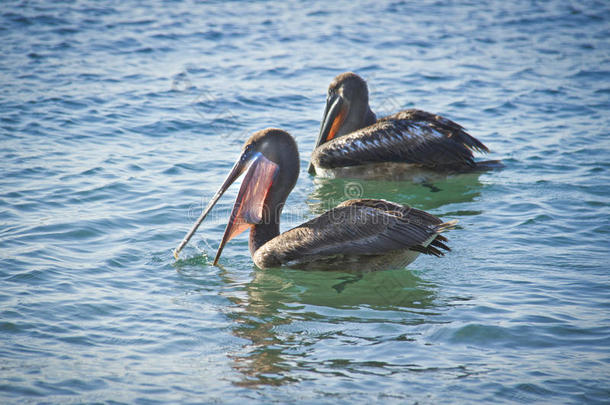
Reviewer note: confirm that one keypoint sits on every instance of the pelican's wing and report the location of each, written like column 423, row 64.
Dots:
column 358, row 227
column 410, row 136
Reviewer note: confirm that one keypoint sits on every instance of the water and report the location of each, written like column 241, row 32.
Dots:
column 120, row 119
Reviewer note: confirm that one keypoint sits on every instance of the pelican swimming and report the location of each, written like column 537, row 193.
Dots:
column 353, row 141
column 361, row 234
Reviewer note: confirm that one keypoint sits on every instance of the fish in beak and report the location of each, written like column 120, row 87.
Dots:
column 250, row 202
column 335, row 113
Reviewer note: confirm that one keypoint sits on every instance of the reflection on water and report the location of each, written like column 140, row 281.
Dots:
column 430, row 194
column 283, row 312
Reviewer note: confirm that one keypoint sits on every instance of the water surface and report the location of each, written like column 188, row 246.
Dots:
column 118, row 121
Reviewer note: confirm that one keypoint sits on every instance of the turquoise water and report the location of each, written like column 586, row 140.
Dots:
column 118, row 121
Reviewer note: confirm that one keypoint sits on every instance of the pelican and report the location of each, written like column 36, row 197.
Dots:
column 359, row 234
column 353, row 141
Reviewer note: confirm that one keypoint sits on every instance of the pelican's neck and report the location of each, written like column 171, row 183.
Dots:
column 261, row 234
column 369, row 118
column 360, row 116
column 268, row 229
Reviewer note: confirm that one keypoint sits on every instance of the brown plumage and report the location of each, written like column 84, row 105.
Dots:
column 350, row 135
column 361, row 234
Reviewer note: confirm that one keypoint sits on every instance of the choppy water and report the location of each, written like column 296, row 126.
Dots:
column 119, row 120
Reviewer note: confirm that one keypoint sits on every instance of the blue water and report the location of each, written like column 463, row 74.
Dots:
column 119, row 119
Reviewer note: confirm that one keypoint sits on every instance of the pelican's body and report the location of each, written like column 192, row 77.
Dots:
column 362, row 234
column 353, row 142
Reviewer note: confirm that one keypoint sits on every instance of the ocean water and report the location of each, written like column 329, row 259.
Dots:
column 119, row 119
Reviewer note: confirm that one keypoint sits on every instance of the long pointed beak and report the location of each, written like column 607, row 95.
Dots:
column 249, row 203
column 334, row 115
column 236, row 171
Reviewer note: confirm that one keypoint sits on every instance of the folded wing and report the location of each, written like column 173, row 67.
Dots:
column 409, row 136
column 356, row 228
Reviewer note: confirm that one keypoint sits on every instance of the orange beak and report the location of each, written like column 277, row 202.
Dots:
column 250, row 202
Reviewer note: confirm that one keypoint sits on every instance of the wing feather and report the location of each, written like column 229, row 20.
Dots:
column 356, row 227
column 409, row 136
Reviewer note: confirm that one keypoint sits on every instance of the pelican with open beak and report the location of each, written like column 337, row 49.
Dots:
column 352, row 140
column 360, row 234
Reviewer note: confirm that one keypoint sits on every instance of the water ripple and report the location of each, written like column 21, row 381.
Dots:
column 119, row 121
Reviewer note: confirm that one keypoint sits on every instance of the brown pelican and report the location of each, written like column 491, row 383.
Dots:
column 362, row 234
column 353, row 141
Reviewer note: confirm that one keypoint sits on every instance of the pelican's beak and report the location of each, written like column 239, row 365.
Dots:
column 249, row 204
column 334, row 115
